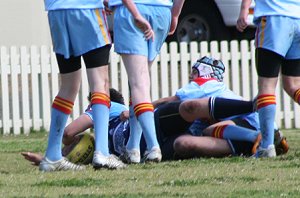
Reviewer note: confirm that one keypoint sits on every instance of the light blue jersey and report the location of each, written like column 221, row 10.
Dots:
column 72, row 4
column 205, row 87
column 115, row 110
column 168, row 3
column 289, row 8
column 208, row 87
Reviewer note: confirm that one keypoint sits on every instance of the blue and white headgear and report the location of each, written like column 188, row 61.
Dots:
column 210, row 67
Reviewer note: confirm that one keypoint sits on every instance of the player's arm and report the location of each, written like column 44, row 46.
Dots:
column 124, row 115
column 176, row 10
column 139, row 20
column 160, row 101
column 244, row 11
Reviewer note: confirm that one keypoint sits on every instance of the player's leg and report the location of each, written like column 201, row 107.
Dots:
column 139, row 80
column 269, row 58
column 61, row 109
column 188, row 146
column 237, row 129
column 214, row 108
column 80, row 124
column 291, row 72
column 194, row 109
column 132, row 154
column 96, row 62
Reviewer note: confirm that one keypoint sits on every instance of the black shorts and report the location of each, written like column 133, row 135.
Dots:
column 169, row 125
column 94, row 58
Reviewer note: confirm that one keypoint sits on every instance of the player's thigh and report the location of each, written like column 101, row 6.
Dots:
column 201, row 146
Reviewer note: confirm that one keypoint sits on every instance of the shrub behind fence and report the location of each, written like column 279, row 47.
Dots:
column 30, row 81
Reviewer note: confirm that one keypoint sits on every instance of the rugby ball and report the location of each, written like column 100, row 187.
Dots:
column 80, row 151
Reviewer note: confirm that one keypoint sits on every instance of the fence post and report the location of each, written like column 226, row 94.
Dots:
column 14, row 61
column 45, row 88
column 184, row 64
column 35, row 96
column 4, row 57
column 25, row 90
column 164, row 71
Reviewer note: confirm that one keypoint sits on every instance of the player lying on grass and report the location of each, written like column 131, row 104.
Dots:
column 206, row 83
column 174, row 136
column 167, row 132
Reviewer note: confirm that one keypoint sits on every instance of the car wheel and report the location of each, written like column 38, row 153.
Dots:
column 199, row 21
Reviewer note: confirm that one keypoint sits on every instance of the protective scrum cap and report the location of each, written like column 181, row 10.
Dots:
column 210, row 67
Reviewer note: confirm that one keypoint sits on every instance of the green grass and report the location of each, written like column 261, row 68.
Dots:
column 206, row 177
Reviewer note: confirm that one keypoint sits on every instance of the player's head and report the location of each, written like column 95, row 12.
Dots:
column 116, row 96
column 208, row 67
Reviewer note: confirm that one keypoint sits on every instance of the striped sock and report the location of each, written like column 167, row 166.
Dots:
column 61, row 109
column 297, row 96
column 234, row 132
column 145, row 115
column 135, row 130
column 100, row 107
column 266, row 107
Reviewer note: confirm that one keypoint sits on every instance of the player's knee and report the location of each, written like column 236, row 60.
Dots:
column 291, row 85
column 68, row 138
column 187, row 110
column 181, row 145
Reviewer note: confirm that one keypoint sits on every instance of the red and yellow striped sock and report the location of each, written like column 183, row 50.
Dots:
column 100, row 98
column 62, row 105
column 143, row 107
column 265, row 100
column 297, row 96
column 219, row 131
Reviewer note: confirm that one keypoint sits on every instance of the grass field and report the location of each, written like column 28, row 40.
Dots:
column 206, row 177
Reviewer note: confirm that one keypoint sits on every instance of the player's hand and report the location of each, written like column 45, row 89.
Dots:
column 145, row 27
column 173, row 26
column 124, row 115
column 106, row 7
column 34, row 158
column 242, row 23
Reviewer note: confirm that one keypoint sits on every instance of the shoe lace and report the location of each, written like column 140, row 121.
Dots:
column 114, row 162
column 66, row 165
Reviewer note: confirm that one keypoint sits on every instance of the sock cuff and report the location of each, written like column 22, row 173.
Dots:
column 265, row 100
column 142, row 108
column 100, row 98
column 62, row 105
column 297, row 96
column 219, row 131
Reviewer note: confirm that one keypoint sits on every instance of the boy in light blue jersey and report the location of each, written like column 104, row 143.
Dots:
column 277, row 43
column 79, row 29
column 200, row 103
column 140, row 28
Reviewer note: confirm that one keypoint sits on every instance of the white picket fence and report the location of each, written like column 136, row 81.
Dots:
column 30, row 81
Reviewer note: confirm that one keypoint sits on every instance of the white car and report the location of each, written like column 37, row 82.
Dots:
column 206, row 20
